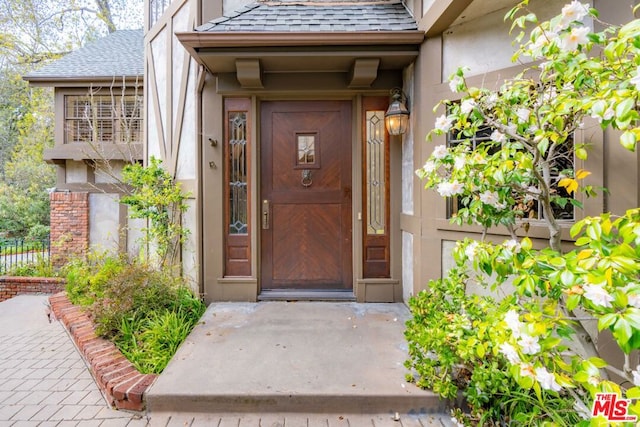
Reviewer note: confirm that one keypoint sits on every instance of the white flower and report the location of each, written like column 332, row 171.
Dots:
column 443, row 123
column 429, row 166
column 456, row 422
column 608, row 115
column 526, row 370
column 523, row 114
column 448, row 189
column 529, row 344
column 459, row 162
column 541, row 41
column 571, row 40
column 597, row 295
column 467, row 106
column 512, row 319
column 636, row 376
column 573, row 11
column 635, row 80
column 491, row 198
column 512, row 245
column 498, row 137
column 440, row 152
column 490, row 101
column 454, row 82
column 633, row 297
column 471, row 250
column 510, row 353
column 546, row 379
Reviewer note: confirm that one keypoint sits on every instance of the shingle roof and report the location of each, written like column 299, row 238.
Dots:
column 312, row 16
column 121, row 53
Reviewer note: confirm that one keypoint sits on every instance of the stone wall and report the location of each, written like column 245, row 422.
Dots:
column 69, row 225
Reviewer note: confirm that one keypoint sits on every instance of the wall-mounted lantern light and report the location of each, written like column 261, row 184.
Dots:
column 396, row 119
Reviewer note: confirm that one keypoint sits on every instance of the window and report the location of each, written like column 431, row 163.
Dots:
column 103, row 119
column 237, row 165
column 375, row 182
column 532, row 208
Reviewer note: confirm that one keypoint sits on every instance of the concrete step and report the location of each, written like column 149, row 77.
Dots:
column 297, row 358
column 286, row 420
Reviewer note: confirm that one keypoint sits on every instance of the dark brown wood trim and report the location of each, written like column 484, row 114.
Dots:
column 376, row 250
column 85, row 151
column 237, row 246
column 195, row 40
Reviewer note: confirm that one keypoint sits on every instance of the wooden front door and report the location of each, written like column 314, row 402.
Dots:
column 305, row 195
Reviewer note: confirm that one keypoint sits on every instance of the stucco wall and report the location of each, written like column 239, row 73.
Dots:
column 172, row 116
column 484, row 43
column 104, row 222
column 76, row 172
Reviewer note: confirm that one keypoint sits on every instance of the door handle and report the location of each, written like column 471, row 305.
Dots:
column 265, row 214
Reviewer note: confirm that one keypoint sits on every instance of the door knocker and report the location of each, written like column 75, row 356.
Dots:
column 306, row 178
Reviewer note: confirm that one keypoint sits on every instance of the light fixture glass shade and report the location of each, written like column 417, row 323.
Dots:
column 396, row 119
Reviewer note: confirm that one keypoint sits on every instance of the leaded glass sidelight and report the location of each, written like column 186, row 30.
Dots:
column 237, row 172
column 375, row 164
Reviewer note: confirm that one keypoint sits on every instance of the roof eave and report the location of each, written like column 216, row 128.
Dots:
column 60, row 81
column 194, row 40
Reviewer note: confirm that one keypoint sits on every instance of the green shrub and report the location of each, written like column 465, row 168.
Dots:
column 133, row 288
column 40, row 267
column 88, row 278
column 454, row 351
column 146, row 312
column 38, row 233
column 150, row 342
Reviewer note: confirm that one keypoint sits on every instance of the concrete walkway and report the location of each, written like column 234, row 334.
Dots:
column 341, row 362
column 43, row 379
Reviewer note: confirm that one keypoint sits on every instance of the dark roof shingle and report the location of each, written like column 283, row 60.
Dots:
column 118, row 54
column 301, row 16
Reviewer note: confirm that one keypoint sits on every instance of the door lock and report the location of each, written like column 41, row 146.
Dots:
column 265, row 214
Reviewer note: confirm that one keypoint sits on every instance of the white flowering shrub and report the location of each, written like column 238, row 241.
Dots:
column 527, row 359
column 578, row 74
column 516, row 361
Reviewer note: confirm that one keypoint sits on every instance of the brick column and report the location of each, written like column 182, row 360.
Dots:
column 69, row 225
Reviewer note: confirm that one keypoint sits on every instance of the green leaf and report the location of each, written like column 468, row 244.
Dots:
column 594, row 230
column 567, row 278
column 628, row 140
column 624, row 108
column 576, row 228
column 480, row 351
column 607, row 320
column 622, row 331
column 633, row 316
column 573, row 301
column 581, row 153
column 598, row 362
column 633, row 393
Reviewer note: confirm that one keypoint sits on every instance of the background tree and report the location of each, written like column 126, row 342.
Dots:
column 32, row 33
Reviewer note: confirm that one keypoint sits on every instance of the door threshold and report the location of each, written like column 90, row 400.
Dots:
column 305, row 295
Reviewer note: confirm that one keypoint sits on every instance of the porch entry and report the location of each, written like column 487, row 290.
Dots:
column 305, row 195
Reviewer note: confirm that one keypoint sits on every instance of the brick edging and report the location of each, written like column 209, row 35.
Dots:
column 120, row 381
column 11, row 286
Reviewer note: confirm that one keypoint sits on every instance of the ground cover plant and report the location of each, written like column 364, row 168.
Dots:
column 146, row 312
column 523, row 356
